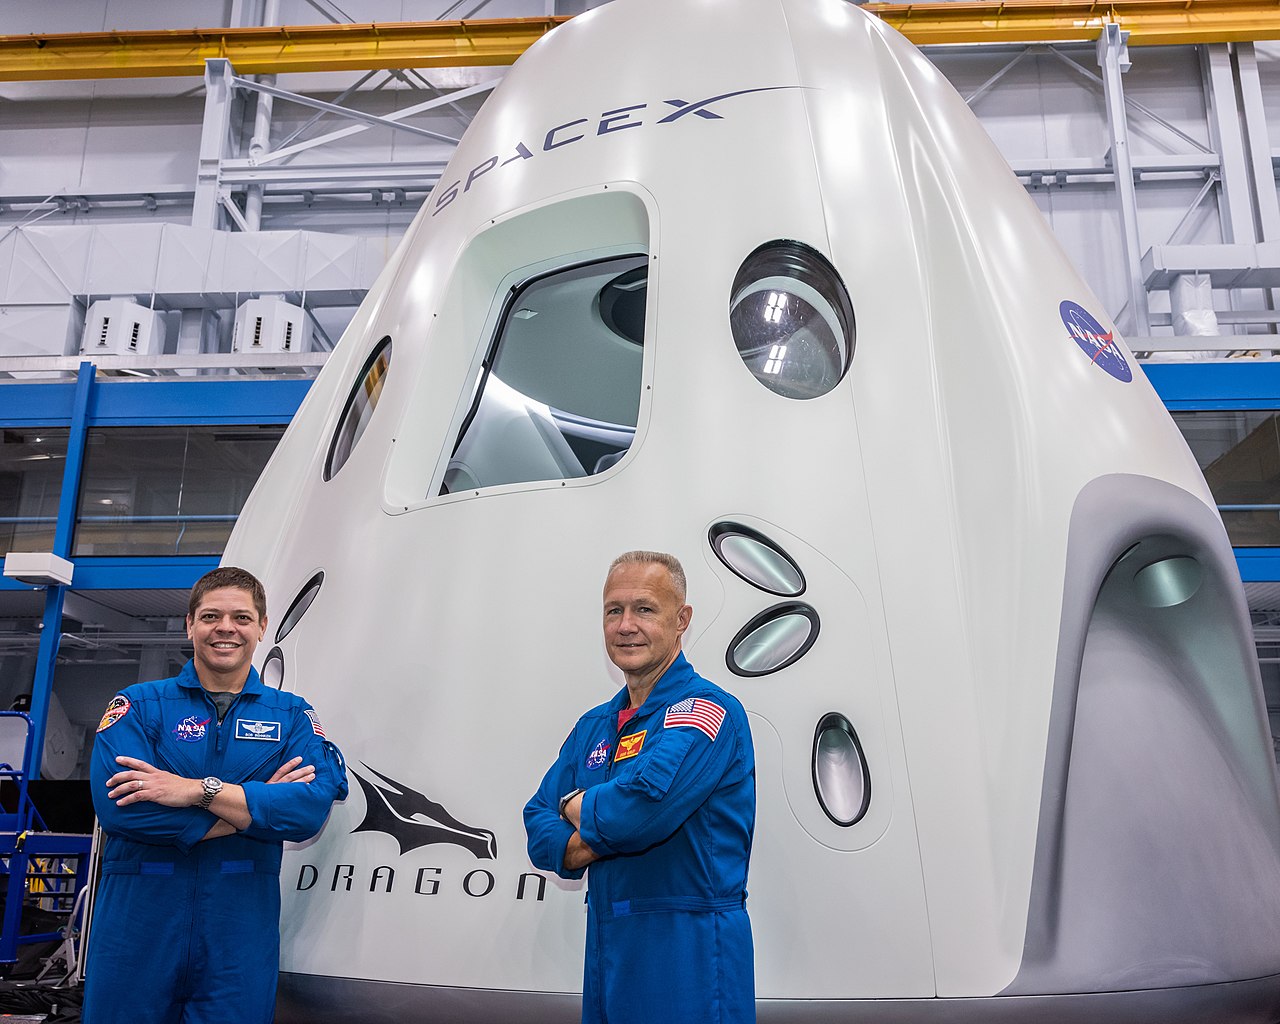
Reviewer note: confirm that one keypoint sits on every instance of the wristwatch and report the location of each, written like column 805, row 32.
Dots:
column 212, row 787
column 564, row 801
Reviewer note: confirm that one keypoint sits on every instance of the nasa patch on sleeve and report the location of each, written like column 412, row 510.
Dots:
column 116, row 710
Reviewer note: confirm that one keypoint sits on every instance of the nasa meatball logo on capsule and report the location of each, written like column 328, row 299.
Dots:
column 610, row 121
column 1096, row 342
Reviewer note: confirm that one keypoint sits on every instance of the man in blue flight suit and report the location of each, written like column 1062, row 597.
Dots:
column 197, row 781
column 655, row 790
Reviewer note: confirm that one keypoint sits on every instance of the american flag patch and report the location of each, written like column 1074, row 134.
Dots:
column 695, row 713
column 316, row 727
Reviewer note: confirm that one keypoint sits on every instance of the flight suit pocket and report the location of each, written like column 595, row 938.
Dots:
column 658, row 770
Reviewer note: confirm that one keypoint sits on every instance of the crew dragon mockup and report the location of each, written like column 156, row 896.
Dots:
column 745, row 280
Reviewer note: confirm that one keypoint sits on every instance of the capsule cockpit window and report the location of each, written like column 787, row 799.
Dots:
column 558, row 394
column 792, row 320
column 359, row 408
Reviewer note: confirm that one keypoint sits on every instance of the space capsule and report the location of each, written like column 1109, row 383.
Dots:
column 747, row 282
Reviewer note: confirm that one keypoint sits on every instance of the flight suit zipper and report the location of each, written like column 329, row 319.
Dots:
column 219, row 733
column 223, row 732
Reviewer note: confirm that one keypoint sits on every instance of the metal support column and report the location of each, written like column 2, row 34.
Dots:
column 1258, row 150
column 259, row 144
column 215, row 142
column 1113, row 59
column 64, row 535
column 261, row 141
column 46, row 661
column 1224, row 136
column 1258, row 143
column 1235, row 206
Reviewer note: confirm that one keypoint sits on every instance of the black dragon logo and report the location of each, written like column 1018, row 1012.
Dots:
column 414, row 820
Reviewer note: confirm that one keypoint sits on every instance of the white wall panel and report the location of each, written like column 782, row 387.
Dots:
column 130, row 143
column 103, row 15
column 116, row 145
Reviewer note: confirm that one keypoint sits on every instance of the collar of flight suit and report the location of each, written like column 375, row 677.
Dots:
column 669, row 687
column 188, row 679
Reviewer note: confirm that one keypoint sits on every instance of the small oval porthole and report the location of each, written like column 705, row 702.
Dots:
column 792, row 320
column 840, row 776
column 273, row 669
column 299, row 606
column 1168, row 582
column 752, row 556
column 361, row 402
column 777, row 637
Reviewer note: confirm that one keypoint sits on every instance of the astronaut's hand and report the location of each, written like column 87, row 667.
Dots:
column 578, row 854
column 290, row 772
column 141, row 781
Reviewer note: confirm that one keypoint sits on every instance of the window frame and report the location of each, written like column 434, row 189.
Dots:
column 512, row 286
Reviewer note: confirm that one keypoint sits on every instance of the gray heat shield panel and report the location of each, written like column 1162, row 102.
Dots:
column 1158, row 848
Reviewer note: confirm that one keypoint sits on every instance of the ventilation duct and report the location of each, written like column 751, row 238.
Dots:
column 120, row 327
column 270, row 325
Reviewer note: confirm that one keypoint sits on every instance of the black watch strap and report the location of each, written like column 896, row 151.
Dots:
column 564, row 800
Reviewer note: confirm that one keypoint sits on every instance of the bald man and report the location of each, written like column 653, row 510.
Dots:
column 654, row 794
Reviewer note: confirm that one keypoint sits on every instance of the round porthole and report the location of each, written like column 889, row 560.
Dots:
column 752, row 556
column 777, row 637
column 1168, row 582
column 792, row 320
column 359, row 408
column 273, row 669
column 298, row 607
column 840, row 776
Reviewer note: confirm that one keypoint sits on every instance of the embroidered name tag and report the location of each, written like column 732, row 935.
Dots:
column 629, row 746
column 246, row 730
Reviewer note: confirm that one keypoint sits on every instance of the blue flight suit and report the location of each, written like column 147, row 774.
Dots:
column 672, row 814
column 184, row 930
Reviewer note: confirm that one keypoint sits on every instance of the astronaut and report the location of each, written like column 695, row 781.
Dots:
column 655, row 791
column 197, row 781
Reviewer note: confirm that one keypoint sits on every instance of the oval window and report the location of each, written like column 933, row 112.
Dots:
column 299, row 606
column 792, row 320
column 273, row 669
column 840, row 776
column 777, row 637
column 756, row 559
column 1168, row 582
column 359, row 408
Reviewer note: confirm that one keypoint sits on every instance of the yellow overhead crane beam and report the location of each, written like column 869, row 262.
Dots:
column 1148, row 22
column 282, row 49
column 270, row 50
